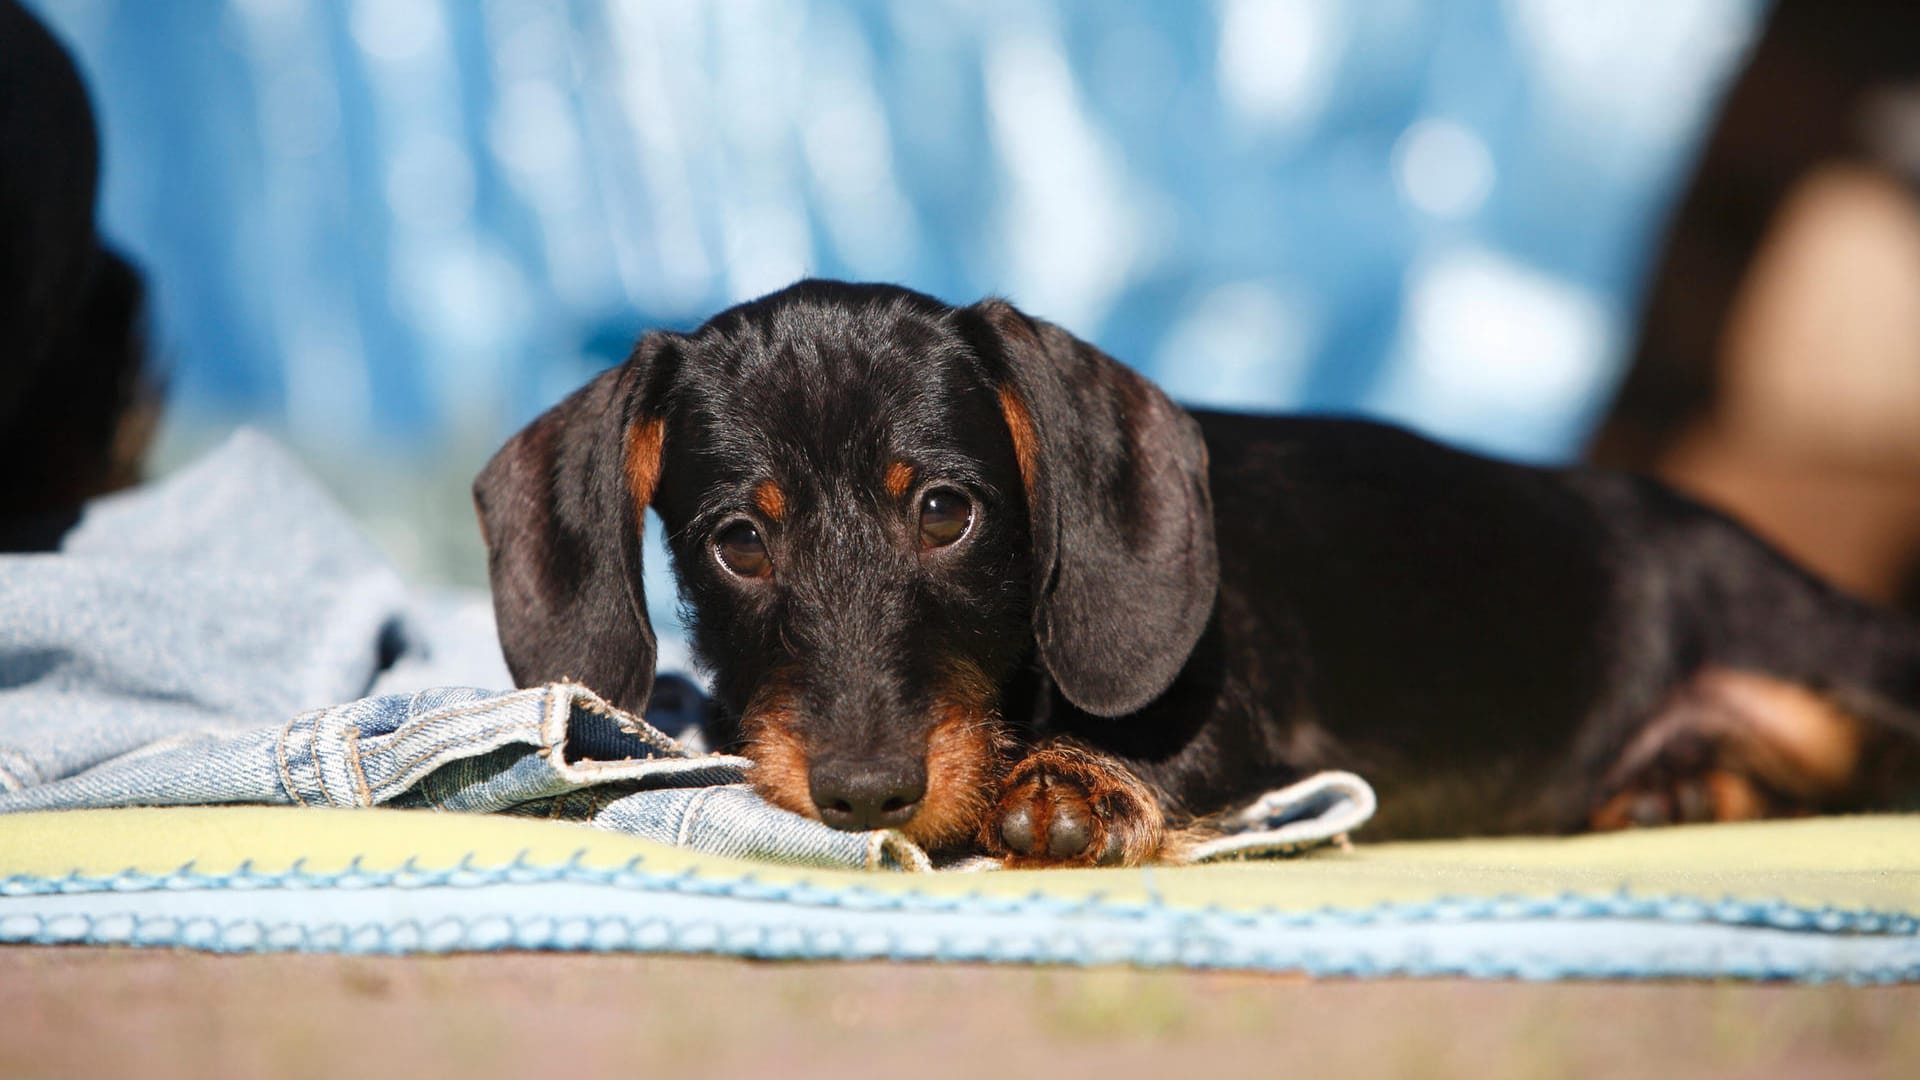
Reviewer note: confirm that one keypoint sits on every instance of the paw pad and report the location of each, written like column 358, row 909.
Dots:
column 1073, row 808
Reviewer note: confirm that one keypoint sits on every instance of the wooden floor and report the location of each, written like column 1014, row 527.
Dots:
column 120, row 1012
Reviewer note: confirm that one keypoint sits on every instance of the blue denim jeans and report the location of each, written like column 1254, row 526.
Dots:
column 191, row 643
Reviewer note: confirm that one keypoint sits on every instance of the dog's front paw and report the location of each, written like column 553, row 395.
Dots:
column 1064, row 805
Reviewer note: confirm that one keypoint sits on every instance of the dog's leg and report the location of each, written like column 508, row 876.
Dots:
column 1067, row 805
column 1731, row 746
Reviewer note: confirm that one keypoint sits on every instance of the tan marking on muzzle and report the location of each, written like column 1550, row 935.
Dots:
column 967, row 751
column 781, row 769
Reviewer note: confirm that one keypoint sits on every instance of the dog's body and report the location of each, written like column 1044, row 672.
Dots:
column 955, row 572
column 1394, row 604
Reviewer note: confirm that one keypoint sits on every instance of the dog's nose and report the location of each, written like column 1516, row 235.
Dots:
column 855, row 795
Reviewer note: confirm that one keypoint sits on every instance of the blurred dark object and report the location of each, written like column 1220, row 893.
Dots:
column 76, row 410
column 1777, row 371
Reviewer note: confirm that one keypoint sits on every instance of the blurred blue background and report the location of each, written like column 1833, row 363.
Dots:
column 394, row 230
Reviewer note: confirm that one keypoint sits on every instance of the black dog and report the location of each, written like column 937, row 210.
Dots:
column 956, row 572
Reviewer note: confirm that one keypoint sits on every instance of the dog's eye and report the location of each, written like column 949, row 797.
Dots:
column 944, row 517
column 741, row 550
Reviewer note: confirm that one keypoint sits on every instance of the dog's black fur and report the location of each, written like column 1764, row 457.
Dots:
column 1154, row 613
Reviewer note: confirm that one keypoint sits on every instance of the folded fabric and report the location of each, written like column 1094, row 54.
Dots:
column 560, row 752
column 1816, row 899
column 231, row 595
column 188, row 642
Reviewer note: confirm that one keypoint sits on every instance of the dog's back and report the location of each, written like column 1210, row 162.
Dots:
column 1438, row 613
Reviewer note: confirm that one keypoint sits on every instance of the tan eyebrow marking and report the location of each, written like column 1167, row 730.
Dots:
column 643, row 460
column 899, row 478
column 771, row 500
column 1025, row 444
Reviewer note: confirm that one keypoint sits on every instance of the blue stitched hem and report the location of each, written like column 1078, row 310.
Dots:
column 1727, row 911
column 1505, row 950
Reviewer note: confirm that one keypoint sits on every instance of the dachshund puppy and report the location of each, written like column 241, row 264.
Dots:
column 955, row 572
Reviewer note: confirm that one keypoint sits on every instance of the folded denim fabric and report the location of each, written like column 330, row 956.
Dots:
column 190, row 644
column 560, row 752
column 554, row 752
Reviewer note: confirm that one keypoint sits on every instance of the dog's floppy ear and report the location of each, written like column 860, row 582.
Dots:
column 1125, row 568
column 561, row 507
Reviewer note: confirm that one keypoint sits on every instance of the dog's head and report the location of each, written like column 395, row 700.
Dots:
column 880, row 508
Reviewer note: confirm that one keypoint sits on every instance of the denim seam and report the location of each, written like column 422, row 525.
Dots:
column 683, row 837
column 551, row 729
column 353, row 763
column 555, row 730
column 280, row 754
column 455, row 712
column 414, row 701
column 319, row 773
column 627, row 722
column 595, row 765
